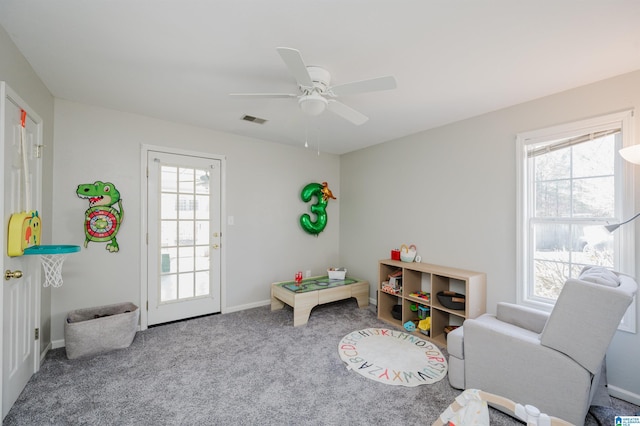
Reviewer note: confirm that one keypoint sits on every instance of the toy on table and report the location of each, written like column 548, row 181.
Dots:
column 337, row 273
column 298, row 277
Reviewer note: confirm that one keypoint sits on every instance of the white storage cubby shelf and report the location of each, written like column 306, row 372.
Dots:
column 431, row 279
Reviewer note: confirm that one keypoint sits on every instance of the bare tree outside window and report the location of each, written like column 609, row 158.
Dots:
column 574, row 196
column 572, row 182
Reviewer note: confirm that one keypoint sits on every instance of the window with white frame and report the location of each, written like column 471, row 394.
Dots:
column 573, row 182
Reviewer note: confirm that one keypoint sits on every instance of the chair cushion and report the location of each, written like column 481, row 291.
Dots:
column 585, row 318
column 599, row 275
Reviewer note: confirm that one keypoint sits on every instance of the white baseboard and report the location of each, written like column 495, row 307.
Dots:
column 229, row 309
column 623, row 394
column 238, row 308
column 43, row 354
column 55, row 344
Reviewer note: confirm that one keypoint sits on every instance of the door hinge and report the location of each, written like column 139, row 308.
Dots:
column 147, row 305
column 37, row 334
column 147, row 238
column 39, row 151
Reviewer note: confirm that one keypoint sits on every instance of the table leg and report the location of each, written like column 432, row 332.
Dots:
column 361, row 293
column 301, row 315
column 303, row 304
column 276, row 304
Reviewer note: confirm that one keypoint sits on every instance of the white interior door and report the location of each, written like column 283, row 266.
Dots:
column 21, row 295
column 184, row 236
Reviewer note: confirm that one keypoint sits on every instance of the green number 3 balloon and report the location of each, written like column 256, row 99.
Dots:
column 322, row 194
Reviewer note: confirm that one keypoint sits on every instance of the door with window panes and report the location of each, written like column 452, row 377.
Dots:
column 184, row 240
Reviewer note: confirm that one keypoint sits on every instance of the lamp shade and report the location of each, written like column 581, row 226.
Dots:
column 313, row 104
column 615, row 226
column 631, row 154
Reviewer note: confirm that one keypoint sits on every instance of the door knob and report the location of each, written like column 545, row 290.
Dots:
column 15, row 274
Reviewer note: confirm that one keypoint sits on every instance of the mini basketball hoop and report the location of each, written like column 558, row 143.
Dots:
column 52, row 257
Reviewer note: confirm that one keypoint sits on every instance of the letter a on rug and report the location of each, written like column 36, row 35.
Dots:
column 393, row 357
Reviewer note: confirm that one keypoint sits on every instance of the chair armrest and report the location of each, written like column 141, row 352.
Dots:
column 522, row 316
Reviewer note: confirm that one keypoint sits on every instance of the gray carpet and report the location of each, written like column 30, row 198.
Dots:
column 245, row 368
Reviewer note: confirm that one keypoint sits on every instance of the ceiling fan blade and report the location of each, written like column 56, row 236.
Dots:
column 264, row 95
column 346, row 112
column 293, row 59
column 372, row 85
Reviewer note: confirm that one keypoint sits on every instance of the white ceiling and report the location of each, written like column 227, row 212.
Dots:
column 179, row 59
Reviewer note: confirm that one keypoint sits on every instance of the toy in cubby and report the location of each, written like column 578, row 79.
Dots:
column 424, row 315
column 423, row 311
column 422, row 295
column 448, row 329
column 391, row 289
column 410, row 326
column 425, row 326
column 423, row 322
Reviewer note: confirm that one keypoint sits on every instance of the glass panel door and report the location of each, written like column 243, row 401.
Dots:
column 185, row 255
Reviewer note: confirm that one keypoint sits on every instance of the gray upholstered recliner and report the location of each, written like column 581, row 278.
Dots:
column 549, row 360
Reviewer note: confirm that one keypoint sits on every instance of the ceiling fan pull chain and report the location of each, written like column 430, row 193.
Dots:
column 306, row 135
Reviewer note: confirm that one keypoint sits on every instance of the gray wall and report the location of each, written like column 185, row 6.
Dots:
column 18, row 74
column 452, row 192
column 263, row 184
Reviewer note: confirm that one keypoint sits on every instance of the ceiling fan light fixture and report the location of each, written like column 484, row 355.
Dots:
column 312, row 104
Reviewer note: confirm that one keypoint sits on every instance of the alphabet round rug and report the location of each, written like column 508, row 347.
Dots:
column 393, row 357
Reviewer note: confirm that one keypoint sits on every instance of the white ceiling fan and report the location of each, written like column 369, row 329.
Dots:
column 315, row 93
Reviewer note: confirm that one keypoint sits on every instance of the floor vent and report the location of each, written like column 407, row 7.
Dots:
column 254, row 119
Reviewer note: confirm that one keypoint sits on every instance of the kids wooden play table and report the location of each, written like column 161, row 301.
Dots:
column 316, row 291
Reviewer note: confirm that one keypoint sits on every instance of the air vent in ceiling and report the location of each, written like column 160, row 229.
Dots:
column 254, row 119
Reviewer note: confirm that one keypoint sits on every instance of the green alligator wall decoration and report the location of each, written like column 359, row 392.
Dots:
column 102, row 220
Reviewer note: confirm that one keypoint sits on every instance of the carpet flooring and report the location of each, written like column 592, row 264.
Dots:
column 245, row 368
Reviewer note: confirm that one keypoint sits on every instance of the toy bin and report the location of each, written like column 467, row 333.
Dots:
column 101, row 329
column 337, row 273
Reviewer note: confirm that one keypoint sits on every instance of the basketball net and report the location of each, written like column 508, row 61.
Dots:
column 52, row 265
